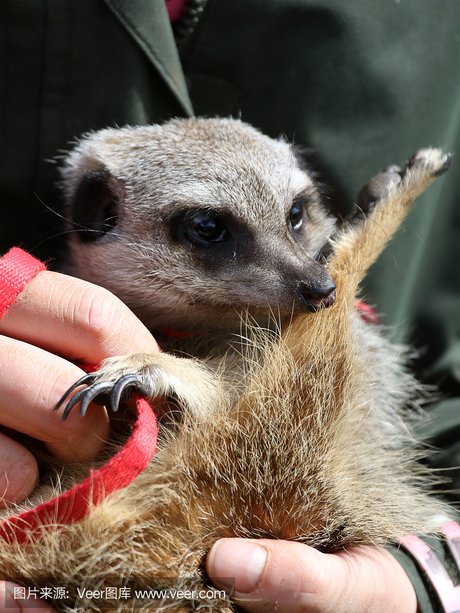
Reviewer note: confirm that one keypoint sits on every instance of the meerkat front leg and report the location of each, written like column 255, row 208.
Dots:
column 152, row 376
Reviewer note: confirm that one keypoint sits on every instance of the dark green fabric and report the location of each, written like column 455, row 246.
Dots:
column 364, row 82
column 69, row 67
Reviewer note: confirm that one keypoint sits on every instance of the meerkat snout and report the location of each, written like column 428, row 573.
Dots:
column 318, row 295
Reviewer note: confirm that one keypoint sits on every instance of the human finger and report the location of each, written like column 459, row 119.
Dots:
column 18, row 472
column 75, row 319
column 31, row 383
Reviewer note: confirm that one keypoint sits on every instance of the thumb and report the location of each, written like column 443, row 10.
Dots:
column 13, row 599
column 265, row 575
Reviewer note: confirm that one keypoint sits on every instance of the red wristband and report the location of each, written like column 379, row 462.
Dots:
column 17, row 269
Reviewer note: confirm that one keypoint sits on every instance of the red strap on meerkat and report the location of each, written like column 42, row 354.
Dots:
column 17, row 269
column 367, row 313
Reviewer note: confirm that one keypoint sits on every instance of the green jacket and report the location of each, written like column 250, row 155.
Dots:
column 363, row 82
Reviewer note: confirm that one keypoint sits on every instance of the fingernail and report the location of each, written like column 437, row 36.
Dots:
column 237, row 564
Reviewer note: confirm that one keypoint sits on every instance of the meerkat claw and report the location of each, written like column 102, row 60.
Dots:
column 86, row 396
column 123, row 384
column 86, row 380
column 104, row 392
column 445, row 165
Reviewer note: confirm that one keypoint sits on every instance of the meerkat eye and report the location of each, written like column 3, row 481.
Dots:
column 203, row 228
column 295, row 217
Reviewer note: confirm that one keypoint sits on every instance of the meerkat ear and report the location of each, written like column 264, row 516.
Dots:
column 94, row 204
column 306, row 158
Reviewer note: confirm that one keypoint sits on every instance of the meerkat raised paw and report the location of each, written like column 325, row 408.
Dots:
column 431, row 161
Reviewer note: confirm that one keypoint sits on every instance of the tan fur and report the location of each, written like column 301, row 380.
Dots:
column 315, row 450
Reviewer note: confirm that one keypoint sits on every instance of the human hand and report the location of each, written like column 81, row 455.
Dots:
column 55, row 321
column 291, row 577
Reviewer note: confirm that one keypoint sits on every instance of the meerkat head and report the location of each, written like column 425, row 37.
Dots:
column 195, row 221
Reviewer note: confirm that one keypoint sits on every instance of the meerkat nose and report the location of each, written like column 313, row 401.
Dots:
column 316, row 296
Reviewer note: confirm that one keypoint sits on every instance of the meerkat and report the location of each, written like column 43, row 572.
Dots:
column 212, row 223
column 206, row 221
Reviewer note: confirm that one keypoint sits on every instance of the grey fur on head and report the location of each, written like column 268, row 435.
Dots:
column 139, row 184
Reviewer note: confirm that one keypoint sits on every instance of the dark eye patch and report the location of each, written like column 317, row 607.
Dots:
column 213, row 238
column 204, row 228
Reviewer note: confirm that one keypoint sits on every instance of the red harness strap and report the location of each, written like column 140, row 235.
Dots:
column 74, row 504
column 17, row 269
column 367, row 313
